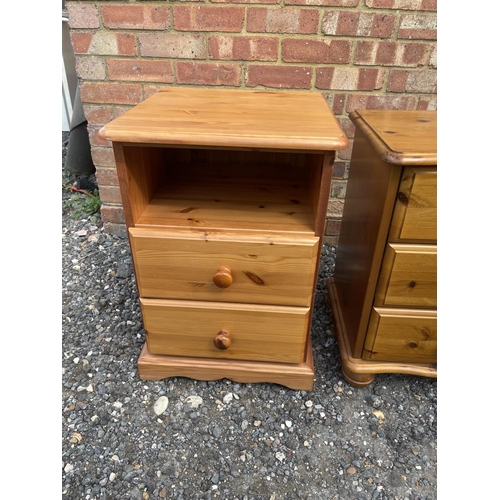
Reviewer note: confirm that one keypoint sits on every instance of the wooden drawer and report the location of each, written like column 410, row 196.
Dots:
column 256, row 333
column 402, row 335
column 266, row 270
column 408, row 276
column 415, row 211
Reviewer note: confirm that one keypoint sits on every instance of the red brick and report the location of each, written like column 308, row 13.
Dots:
column 103, row 157
column 415, row 27
column 397, row 81
column 427, row 103
column 379, row 53
column 335, row 78
column 385, row 54
column 208, row 18
column 106, row 176
column 332, row 227
column 104, row 43
column 345, row 154
column 339, row 103
column 316, row 51
column 150, row 90
column 358, row 24
column 126, row 44
column 141, row 70
column 82, row 16
column 380, row 25
column 325, row 3
column 336, row 101
column 147, row 17
column 175, row 45
column 112, row 214
column 429, row 5
column 391, row 53
column 243, row 48
column 81, row 42
column 110, row 194
column 111, row 93
column 94, row 138
column 413, row 81
column 286, row 77
column 90, row 68
column 370, row 101
column 198, row 73
column 347, row 126
column 119, row 110
column 338, row 170
column 335, row 208
column 282, row 20
column 245, row 1
column 414, row 54
column 433, row 58
column 403, row 4
column 338, row 188
column 380, row 4
column 340, row 23
column 97, row 115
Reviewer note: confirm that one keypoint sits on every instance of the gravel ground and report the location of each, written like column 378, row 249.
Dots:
column 125, row 438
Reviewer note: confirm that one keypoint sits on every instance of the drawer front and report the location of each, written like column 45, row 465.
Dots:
column 415, row 211
column 402, row 335
column 408, row 276
column 251, row 332
column 253, row 269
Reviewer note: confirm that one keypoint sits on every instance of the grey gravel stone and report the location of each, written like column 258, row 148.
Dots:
column 161, row 404
column 250, row 446
column 194, row 401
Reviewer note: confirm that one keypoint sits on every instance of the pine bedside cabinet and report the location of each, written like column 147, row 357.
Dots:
column 384, row 290
column 225, row 195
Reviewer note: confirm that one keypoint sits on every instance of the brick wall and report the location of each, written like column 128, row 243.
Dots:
column 360, row 54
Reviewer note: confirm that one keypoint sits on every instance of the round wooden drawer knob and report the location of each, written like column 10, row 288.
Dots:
column 222, row 341
column 223, row 277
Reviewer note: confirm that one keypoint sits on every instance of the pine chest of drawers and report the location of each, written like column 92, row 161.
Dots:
column 225, row 195
column 384, row 290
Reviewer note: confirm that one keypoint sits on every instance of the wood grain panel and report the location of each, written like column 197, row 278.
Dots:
column 227, row 191
column 140, row 173
column 400, row 137
column 218, row 213
column 402, row 335
column 299, row 377
column 266, row 270
column 258, row 333
column 408, row 276
column 415, row 212
column 231, row 119
column 368, row 207
column 360, row 372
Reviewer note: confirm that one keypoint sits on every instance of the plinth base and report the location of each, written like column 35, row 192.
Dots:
column 297, row 377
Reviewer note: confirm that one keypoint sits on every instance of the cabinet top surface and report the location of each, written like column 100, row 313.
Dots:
column 230, row 118
column 402, row 137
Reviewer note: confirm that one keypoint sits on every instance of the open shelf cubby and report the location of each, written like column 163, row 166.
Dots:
column 209, row 189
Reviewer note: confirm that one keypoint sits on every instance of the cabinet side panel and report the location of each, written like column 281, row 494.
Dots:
column 123, row 181
column 141, row 172
column 370, row 195
column 319, row 180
